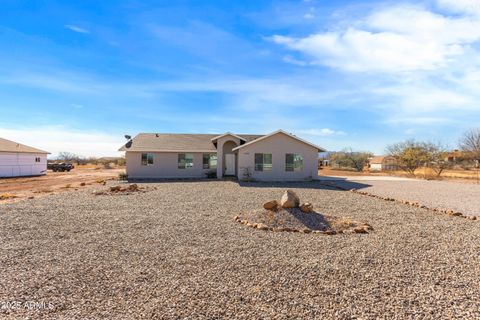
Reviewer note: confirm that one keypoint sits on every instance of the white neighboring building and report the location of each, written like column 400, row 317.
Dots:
column 17, row 160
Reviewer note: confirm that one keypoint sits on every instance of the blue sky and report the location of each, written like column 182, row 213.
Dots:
column 78, row 75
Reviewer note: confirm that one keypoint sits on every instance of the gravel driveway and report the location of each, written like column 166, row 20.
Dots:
column 462, row 197
column 176, row 252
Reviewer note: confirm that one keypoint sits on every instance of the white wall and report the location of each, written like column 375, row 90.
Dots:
column 22, row 164
column 376, row 167
column 165, row 165
column 279, row 145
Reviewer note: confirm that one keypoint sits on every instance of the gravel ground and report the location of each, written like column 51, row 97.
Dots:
column 462, row 197
column 176, row 252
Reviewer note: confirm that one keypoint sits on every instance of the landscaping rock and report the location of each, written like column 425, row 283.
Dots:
column 306, row 207
column 115, row 188
column 271, row 205
column 290, row 199
column 361, row 229
column 133, row 187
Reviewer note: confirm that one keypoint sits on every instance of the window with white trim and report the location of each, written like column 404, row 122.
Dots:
column 263, row 162
column 293, row 162
column 185, row 160
column 209, row 161
column 147, row 159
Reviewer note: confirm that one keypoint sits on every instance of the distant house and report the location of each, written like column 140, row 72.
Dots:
column 454, row 155
column 18, row 160
column 382, row 163
column 276, row 156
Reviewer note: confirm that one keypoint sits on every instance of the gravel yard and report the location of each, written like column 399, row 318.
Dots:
column 462, row 197
column 175, row 252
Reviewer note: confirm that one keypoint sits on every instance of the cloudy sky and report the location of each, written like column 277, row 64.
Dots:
column 78, row 75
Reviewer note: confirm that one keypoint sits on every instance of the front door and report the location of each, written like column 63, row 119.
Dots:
column 230, row 164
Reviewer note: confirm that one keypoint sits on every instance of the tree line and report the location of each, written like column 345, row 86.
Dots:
column 75, row 158
column 411, row 155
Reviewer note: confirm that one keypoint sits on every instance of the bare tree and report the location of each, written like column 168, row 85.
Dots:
column 470, row 143
column 69, row 157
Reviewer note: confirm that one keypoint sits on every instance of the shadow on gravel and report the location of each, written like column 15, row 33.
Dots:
column 324, row 185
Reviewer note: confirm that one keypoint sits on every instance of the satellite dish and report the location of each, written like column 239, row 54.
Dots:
column 128, row 137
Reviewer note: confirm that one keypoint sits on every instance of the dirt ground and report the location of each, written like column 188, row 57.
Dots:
column 461, row 176
column 15, row 189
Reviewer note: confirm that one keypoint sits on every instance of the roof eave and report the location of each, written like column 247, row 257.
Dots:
column 274, row 133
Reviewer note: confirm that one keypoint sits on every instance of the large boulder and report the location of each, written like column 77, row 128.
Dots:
column 271, row 205
column 290, row 199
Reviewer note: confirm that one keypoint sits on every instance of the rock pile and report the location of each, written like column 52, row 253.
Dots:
column 290, row 215
column 120, row 189
column 289, row 200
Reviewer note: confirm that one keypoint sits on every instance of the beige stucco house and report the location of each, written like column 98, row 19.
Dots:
column 278, row 156
column 382, row 163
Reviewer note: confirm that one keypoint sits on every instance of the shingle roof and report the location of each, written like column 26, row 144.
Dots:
column 380, row 159
column 176, row 142
column 11, row 146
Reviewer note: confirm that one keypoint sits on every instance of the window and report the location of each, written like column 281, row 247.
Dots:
column 147, row 159
column 185, row 160
column 263, row 162
column 37, row 159
column 293, row 162
column 209, row 161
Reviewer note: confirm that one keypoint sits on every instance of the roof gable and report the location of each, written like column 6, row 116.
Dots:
column 11, row 146
column 280, row 132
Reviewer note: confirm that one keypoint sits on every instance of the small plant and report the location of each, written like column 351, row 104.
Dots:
column 7, row 196
column 68, row 186
column 122, row 176
column 100, row 181
column 247, row 175
column 212, row 174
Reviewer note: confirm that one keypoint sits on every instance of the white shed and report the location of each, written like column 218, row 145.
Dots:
column 18, row 160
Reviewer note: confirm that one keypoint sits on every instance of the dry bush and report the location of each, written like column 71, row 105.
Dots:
column 7, row 196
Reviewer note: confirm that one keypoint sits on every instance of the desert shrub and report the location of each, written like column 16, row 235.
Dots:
column 350, row 159
column 212, row 174
column 122, row 176
column 107, row 165
column 247, row 174
column 411, row 155
column 6, row 196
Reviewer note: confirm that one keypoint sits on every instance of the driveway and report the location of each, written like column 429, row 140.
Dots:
column 462, row 197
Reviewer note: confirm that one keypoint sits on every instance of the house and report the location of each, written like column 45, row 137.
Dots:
column 278, row 156
column 454, row 155
column 18, row 160
column 382, row 163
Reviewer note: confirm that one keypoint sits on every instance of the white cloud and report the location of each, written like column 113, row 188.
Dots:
column 76, row 28
column 396, row 39
column 461, row 6
column 55, row 139
column 292, row 60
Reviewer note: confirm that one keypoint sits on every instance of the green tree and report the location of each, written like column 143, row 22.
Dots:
column 411, row 155
column 351, row 159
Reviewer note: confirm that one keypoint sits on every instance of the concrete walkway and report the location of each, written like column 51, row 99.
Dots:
column 462, row 197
